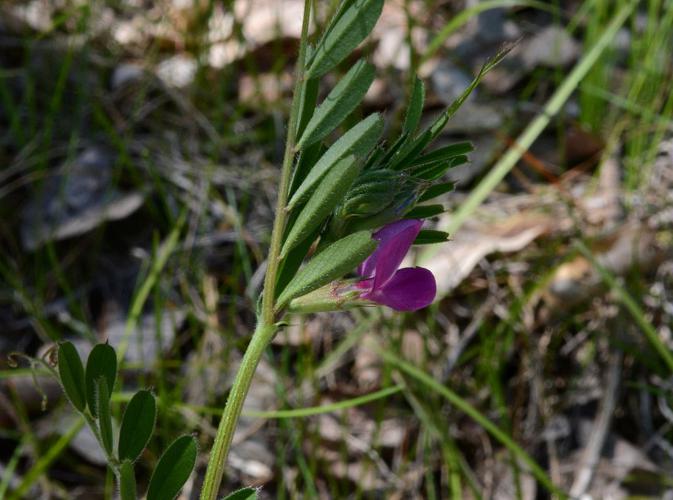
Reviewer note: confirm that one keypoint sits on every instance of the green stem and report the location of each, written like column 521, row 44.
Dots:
column 232, row 410
column 266, row 321
column 273, row 260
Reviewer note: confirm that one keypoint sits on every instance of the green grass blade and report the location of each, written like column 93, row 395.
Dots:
column 12, row 463
column 474, row 414
column 46, row 460
column 631, row 306
column 464, row 16
column 535, row 128
column 332, row 407
column 340, row 102
column 140, row 298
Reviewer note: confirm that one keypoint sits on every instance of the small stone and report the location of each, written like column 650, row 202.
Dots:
column 552, row 47
column 125, row 73
column 449, row 82
column 177, row 71
column 75, row 200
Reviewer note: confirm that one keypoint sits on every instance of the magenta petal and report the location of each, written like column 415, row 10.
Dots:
column 365, row 284
column 394, row 242
column 409, row 289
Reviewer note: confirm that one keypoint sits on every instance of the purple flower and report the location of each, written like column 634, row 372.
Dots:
column 407, row 289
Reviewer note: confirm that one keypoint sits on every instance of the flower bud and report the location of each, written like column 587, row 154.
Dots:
column 376, row 198
column 336, row 296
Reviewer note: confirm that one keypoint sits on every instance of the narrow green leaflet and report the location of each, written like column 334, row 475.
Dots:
column 127, row 481
column 393, row 150
column 242, row 494
column 173, row 469
column 375, row 157
column 292, row 262
column 430, row 236
column 351, row 27
column 408, row 154
column 358, row 141
column 444, row 153
column 308, row 100
column 340, row 102
column 307, row 159
column 434, row 171
column 437, row 190
column 333, row 262
column 415, row 109
column 102, row 361
column 439, row 124
column 137, row 425
column 410, row 151
column 341, row 8
column 371, row 179
column 326, row 196
column 424, row 211
column 104, row 415
column 71, row 373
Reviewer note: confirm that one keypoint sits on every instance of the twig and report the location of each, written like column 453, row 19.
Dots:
column 468, row 334
column 599, row 431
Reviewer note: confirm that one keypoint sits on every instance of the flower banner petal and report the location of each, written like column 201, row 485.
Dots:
column 394, row 242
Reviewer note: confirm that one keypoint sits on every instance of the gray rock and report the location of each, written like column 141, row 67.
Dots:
column 475, row 118
column 449, row 82
column 75, row 200
column 552, row 47
column 148, row 342
column 143, row 345
column 124, row 74
column 177, row 71
column 482, row 35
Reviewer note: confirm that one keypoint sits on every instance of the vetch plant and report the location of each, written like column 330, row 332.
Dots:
column 354, row 206
column 347, row 213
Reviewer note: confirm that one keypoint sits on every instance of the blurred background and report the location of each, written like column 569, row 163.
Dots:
column 140, row 144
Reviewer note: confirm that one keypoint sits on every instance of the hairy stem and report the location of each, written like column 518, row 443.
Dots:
column 270, row 279
column 232, row 410
column 266, row 322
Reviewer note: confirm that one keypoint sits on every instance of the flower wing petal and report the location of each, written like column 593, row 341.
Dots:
column 409, row 289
